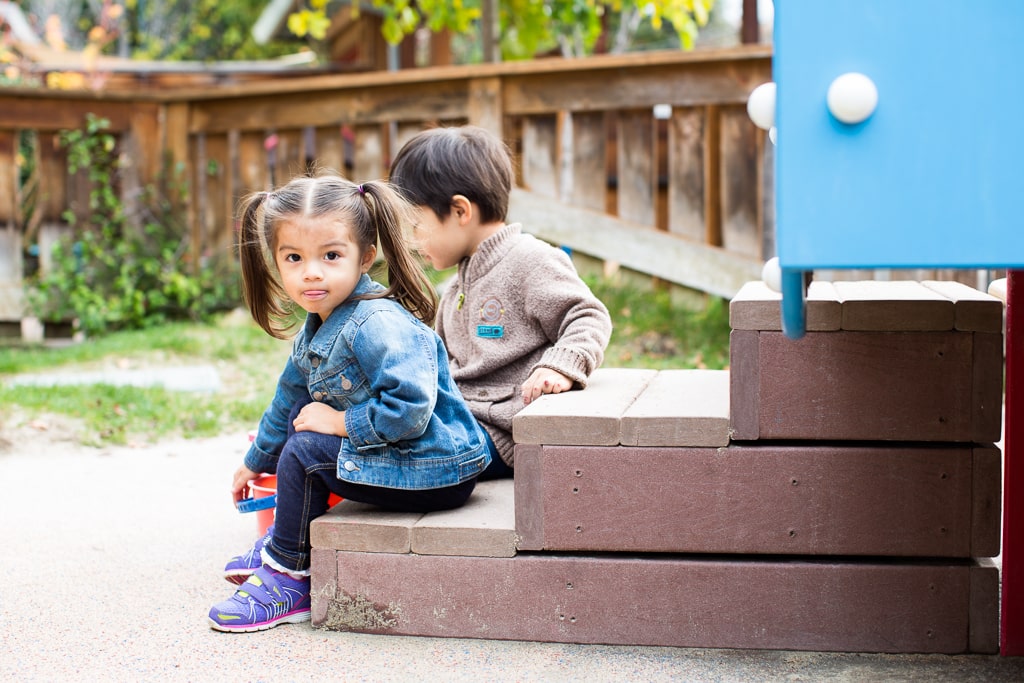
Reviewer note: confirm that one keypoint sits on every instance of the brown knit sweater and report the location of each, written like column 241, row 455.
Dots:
column 517, row 304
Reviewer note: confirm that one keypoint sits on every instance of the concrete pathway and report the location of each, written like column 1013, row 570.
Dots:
column 112, row 559
column 201, row 378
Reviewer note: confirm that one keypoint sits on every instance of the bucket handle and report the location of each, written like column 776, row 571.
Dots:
column 254, row 504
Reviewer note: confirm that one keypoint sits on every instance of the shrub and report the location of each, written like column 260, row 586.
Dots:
column 127, row 270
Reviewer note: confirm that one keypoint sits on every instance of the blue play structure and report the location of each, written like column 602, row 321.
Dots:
column 932, row 177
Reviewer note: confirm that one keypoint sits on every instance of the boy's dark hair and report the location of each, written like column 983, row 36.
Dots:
column 439, row 163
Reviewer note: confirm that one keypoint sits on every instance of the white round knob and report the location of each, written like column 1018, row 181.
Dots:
column 852, row 98
column 771, row 273
column 997, row 288
column 761, row 106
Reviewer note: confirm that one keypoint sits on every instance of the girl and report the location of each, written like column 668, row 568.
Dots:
column 366, row 407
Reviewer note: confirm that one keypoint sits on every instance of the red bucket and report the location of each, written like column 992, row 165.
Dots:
column 267, row 486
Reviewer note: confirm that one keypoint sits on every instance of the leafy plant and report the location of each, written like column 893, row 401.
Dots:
column 526, row 27
column 202, row 30
column 124, row 271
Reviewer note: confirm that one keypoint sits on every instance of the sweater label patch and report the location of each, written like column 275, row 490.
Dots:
column 491, row 310
column 490, row 331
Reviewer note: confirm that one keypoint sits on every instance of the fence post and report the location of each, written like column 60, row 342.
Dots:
column 485, row 107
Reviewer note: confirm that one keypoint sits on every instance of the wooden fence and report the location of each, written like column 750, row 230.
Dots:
column 646, row 160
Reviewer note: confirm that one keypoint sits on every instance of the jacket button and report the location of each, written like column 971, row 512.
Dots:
column 346, row 383
column 317, row 395
column 314, row 361
column 350, row 466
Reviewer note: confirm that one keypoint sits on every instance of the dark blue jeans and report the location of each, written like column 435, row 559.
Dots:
column 307, row 475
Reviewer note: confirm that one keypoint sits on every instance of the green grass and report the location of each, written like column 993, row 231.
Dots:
column 247, row 360
column 651, row 330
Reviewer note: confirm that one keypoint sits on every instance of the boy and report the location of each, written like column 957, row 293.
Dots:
column 517, row 319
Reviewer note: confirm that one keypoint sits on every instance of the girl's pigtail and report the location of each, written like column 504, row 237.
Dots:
column 407, row 281
column 260, row 287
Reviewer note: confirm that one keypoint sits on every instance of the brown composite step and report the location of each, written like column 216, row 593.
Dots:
column 896, row 500
column 830, row 493
column 901, row 500
column 881, row 361
column 458, row 574
column 635, row 407
column 680, row 601
column 873, row 386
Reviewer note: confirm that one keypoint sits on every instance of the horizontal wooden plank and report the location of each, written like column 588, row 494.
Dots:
column 668, row 601
column 591, row 416
column 724, row 82
column 894, row 306
column 806, row 499
column 975, row 311
column 379, row 103
column 49, row 111
column 661, row 254
column 756, row 307
column 367, row 528
column 679, row 408
column 741, row 57
column 595, row 83
column 484, row 526
column 873, row 305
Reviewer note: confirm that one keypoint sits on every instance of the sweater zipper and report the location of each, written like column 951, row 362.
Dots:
column 462, row 284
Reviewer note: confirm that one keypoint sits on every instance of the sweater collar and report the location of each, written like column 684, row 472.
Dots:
column 493, row 249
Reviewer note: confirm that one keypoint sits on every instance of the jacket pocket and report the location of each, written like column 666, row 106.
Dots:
column 346, row 385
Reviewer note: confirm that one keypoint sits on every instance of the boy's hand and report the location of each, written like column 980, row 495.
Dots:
column 320, row 418
column 544, row 381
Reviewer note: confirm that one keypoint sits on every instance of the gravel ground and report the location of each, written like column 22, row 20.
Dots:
column 113, row 558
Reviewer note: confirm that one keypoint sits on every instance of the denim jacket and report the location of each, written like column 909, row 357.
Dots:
column 408, row 426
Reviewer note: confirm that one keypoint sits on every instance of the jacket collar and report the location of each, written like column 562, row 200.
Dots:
column 320, row 337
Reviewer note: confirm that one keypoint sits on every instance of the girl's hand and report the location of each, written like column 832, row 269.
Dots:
column 240, row 482
column 544, row 381
column 320, row 418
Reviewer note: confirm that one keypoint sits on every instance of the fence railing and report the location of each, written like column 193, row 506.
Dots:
column 646, row 160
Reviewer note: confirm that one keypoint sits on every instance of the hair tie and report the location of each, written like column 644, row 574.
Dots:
column 362, row 190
